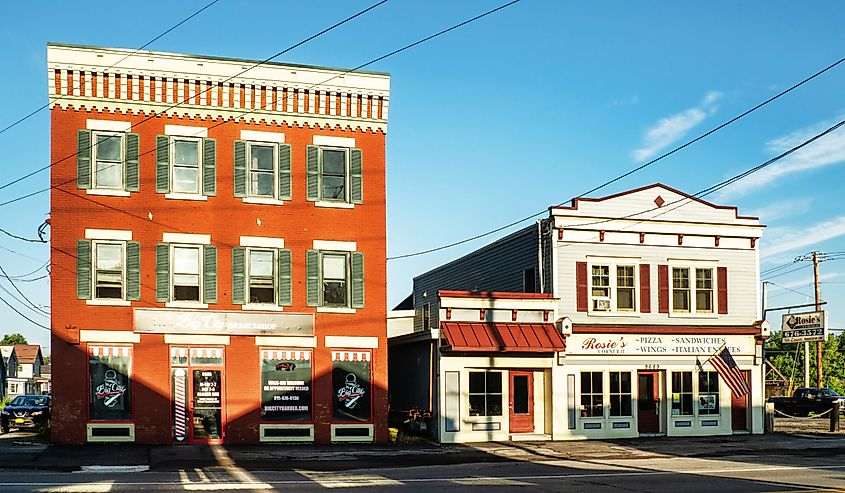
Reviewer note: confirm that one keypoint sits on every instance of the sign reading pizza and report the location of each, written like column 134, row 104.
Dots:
column 804, row 327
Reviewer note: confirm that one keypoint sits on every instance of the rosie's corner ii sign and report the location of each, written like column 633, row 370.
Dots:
column 804, row 327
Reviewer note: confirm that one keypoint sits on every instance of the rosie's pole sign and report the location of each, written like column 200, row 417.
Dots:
column 804, row 327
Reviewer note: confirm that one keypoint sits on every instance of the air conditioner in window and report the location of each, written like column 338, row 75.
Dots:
column 601, row 304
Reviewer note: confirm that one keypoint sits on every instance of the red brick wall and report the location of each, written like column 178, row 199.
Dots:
column 225, row 218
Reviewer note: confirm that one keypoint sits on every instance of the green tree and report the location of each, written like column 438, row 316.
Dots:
column 789, row 360
column 10, row 339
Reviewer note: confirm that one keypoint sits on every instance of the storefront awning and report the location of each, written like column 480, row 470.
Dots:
column 502, row 337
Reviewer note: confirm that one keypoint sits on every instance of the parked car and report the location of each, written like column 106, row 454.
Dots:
column 806, row 400
column 26, row 411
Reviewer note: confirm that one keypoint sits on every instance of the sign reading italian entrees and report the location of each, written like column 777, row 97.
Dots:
column 657, row 344
column 804, row 327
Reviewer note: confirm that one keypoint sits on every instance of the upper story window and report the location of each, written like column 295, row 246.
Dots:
column 261, row 275
column 334, row 172
column 262, row 169
column 107, row 160
column 613, row 288
column 335, row 278
column 186, row 274
column 186, row 163
column 108, row 268
column 692, row 289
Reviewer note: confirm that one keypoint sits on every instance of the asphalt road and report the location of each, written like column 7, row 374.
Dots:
column 769, row 473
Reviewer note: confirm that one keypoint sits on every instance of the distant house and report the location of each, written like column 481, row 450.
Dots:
column 2, row 377
column 14, row 385
column 29, row 366
column 43, row 382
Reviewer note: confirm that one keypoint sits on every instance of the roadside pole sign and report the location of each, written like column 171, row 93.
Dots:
column 804, row 327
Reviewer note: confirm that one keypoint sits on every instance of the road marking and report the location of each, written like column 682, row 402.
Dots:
column 113, row 469
column 399, row 481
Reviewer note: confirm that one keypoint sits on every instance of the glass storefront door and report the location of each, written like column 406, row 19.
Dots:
column 197, row 381
column 206, row 422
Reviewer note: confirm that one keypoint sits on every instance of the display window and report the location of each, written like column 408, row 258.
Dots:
column 351, row 391
column 286, row 385
column 110, row 389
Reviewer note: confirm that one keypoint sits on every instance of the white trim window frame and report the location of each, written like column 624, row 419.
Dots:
column 333, row 175
column 260, row 281
column 185, row 275
column 341, row 284
column 106, row 282
column 180, row 148
column 257, row 168
column 608, row 280
column 103, row 146
column 692, row 289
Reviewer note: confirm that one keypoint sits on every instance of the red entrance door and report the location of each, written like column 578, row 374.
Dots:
column 648, row 401
column 739, row 407
column 521, row 403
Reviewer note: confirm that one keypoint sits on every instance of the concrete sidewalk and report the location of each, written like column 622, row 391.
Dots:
column 349, row 456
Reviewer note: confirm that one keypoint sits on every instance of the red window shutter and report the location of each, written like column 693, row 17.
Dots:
column 663, row 288
column 645, row 288
column 722, row 283
column 581, row 286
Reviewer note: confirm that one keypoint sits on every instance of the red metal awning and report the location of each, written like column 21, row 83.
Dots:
column 502, row 337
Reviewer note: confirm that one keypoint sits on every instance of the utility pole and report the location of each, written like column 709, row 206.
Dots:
column 818, row 308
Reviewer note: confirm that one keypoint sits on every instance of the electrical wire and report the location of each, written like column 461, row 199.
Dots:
column 6, row 275
column 155, row 115
column 33, row 322
column 31, row 240
column 148, row 43
column 787, row 272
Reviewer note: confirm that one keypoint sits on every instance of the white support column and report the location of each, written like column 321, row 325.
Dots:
column 237, row 95
column 124, row 87
column 136, row 87
column 374, row 107
column 192, row 91
column 158, row 97
column 354, row 111
column 226, row 87
column 332, row 103
column 51, row 81
column 248, row 96
column 384, row 105
column 76, row 89
column 88, row 77
column 112, row 85
column 300, row 100
column 100, row 85
column 213, row 93
column 344, row 103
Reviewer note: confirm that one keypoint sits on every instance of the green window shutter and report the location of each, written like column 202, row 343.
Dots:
column 240, row 168
column 284, row 172
column 130, row 164
column 355, row 176
column 312, row 171
column 133, row 271
column 238, row 276
column 162, row 272
column 162, row 164
column 312, row 275
column 357, row 280
column 83, row 269
column 284, row 291
column 209, row 274
column 83, row 159
column 209, row 164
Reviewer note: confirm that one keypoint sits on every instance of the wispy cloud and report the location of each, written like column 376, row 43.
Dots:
column 671, row 128
column 780, row 240
column 826, row 151
column 783, row 208
column 626, row 101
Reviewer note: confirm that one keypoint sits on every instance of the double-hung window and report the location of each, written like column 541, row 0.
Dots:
column 692, row 289
column 186, row 273
column 262, row 169
column 107, row 160
column 485, row 393
column 108, row 270
column 613, row 288
column 261, row 274
column 334, row 174
column 185, row 163
column 335, row 278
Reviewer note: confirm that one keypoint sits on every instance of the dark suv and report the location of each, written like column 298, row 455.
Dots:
column 26, row 411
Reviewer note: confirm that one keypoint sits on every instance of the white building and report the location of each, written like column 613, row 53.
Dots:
column 644, row 286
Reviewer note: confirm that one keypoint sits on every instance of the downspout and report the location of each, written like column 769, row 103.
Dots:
column 540, row 254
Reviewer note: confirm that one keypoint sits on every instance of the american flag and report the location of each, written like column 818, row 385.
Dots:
column 733, row 376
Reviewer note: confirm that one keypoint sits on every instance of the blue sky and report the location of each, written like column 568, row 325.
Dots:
column 506, row 116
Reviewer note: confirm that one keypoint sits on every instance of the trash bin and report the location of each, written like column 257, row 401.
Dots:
column 392, row 434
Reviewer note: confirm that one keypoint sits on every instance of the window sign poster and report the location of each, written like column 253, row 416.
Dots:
column 286, row 386
column 706, row 402
column 351, row 390
column 110, row 395
column 207, row 388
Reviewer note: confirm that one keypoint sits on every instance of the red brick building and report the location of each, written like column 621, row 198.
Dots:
column 219, row 249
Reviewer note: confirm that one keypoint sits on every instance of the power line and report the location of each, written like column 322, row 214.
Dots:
column 179, row 103
column 244, row 113
column 630, row 172
column 31, row 240
column 21, row 276
column 33, row 305
column 25, row 305
column 788, row 272
column 148, row 43
column 792, row 290
column 33, row 322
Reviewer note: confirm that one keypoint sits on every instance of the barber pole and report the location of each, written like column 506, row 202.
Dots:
column 179, row 412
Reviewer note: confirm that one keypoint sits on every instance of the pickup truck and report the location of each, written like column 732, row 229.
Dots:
column 806, row 400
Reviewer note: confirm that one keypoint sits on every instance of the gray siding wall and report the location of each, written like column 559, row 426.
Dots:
column 498, row 266
column 409, row 374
